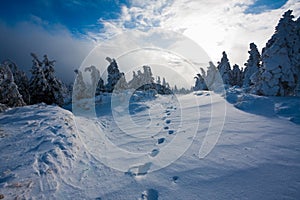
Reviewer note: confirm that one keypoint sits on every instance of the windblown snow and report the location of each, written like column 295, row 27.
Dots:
column 48, row 153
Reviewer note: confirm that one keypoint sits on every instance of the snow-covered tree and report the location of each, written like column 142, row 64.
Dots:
column 134, row 82
column 211, row 75
column 38, row 85
column 278, row 74
column 100, row 87
column 296, row 56
column 113, row 74
column 252, row 65
column 9, row 93
column 20, row 80
column 79, row 88
column 200, row 81
column 55, row 88
column 97, row 84
column 224, row 69
column 122, row 83
column 236, row 76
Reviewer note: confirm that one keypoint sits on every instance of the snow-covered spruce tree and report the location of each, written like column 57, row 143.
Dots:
column 200, row 81
column 55, row 88
column 79, row 88
column 95, row 78
column 252, row 65
column 165, row 87
column 38, row 85
column 224, row 69
column 9, row 93
column 122, row 83
column 236, row 76
column 100, row 87
column 211, row 76
column 296, row 56
column 278, row 74
column 20, row 79
column 113, row 74
column 147, row 75
column 133, row 83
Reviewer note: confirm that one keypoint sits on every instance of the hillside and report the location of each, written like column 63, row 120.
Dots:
column 48, row 153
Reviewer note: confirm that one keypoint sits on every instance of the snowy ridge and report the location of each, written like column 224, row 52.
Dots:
column 38, row 146
column 47, row 153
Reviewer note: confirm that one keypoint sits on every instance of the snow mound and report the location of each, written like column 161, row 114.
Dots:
column 38, row 146
column 46, row 155
column 283, row 107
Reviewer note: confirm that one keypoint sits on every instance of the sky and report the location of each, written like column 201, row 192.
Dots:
column 68, row 31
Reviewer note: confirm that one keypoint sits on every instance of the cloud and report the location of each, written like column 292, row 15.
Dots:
column 215, row 25
column 170, row 55
column 18, row 41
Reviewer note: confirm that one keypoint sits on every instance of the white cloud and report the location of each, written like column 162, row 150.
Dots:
column 216, row 25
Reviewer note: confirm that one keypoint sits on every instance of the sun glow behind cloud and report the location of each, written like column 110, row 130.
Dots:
column 215, row 25
column 68, row 32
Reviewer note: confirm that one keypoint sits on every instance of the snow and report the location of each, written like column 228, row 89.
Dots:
column 49, row 153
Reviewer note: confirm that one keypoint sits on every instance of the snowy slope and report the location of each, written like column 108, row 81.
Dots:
column 48, row 153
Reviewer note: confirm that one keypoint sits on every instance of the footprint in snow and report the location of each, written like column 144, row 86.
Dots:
column 168, row 121
column 160, row 140
column 154, row 152
column 171, row 132
column 175, row 179
column 149, row 194
column 139, row 170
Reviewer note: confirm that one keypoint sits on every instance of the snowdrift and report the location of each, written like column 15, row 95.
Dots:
column 47, row 153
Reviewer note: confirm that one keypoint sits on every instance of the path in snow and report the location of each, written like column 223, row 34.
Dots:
column 43, row 157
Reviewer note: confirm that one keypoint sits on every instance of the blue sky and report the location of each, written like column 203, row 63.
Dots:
column 68, row 30
column 77, row 16
column 81, row 16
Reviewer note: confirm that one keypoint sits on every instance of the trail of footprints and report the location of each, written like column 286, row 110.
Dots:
column 166, row 129
column 166, row 135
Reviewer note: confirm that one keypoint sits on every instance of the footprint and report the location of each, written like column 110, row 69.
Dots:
column 166, row 127
column 175, row 179
column 168, row 114
column 150, row 194
column 160, row 140
column 168, row 121
column 139, row 170
column 154, row 152
column 171, row 132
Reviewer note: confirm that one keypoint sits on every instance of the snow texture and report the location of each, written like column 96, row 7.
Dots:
column 48, row 153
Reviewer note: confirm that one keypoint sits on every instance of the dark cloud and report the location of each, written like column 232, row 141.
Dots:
column 18, row 41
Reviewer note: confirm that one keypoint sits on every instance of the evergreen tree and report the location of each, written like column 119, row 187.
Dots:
column 38, row 85
column 224, row 69
column 9, row 93
column 100, row 87
column 55, row 88
column 113, row 74
column 278, row 74
column 252, row 65
column 20, row 80
column 122, row 83
column 210, row 78
column 200, row 81
column 236, row 76
column 79, row 88
column 97, row 84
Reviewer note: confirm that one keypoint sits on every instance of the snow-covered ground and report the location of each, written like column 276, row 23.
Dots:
column 48, row 153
